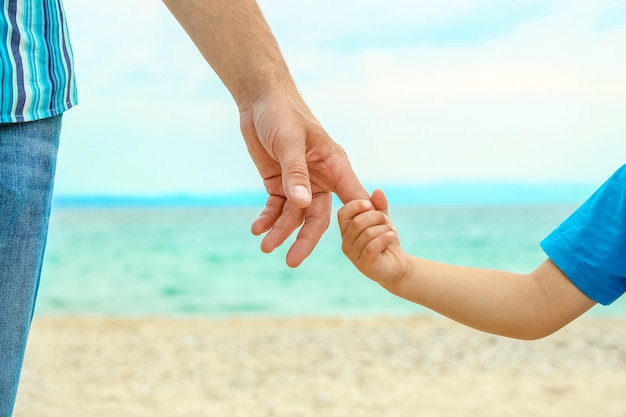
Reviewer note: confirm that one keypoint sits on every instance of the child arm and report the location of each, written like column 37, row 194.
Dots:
column 523, row 306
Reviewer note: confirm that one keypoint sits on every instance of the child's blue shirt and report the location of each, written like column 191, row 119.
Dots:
column 590, row 246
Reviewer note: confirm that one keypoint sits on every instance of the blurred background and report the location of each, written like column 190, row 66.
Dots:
column 416, row 92
column 487, row 122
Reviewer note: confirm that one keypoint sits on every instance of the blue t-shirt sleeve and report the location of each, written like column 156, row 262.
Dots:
column 590, row 246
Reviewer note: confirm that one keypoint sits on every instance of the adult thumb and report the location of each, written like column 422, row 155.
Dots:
column 295, row 173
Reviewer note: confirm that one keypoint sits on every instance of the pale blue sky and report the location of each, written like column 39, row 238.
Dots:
column 417, row 92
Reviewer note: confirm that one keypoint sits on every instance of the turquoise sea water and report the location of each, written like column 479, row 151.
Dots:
column 204, row 261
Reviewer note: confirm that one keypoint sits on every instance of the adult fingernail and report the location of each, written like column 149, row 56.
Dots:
column 301, row 193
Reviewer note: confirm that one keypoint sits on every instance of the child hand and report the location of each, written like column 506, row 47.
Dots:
column 370, row 241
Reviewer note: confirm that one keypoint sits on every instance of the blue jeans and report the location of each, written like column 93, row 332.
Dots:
column 27, row 163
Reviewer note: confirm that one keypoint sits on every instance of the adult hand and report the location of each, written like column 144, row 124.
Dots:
column 301, row 166
column 299, row 163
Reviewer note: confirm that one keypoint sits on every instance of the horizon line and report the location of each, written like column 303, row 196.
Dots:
column 427, row 194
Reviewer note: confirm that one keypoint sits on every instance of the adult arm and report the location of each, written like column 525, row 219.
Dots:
column 298, row 161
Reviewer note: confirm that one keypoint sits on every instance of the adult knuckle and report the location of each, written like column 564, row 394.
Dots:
column 298, row 169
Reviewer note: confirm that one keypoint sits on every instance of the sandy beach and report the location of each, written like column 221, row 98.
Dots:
column 357, row 367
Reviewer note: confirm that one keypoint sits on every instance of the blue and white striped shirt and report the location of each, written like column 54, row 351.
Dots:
column 36, row 71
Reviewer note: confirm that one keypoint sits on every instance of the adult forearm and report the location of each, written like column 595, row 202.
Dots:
column 523, row 306
column 236, row 41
